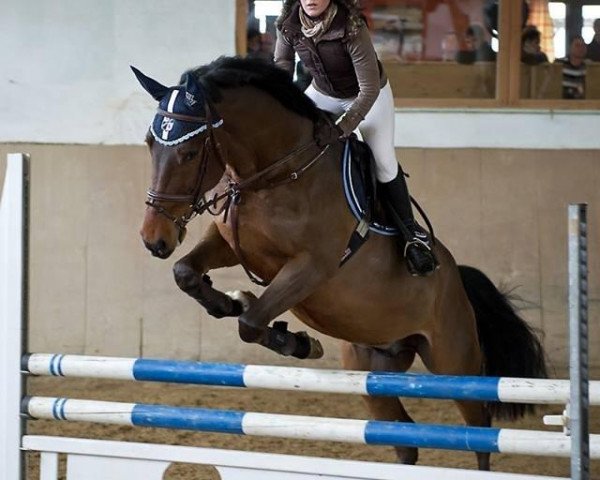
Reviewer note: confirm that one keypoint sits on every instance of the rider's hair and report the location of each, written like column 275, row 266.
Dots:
column 356, row 18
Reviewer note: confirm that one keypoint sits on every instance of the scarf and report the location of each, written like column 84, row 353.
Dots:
column 315, row 28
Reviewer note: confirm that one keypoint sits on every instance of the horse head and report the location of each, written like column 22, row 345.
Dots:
column 186, row 160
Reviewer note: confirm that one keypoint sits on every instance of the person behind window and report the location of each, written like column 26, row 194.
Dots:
column 574, row 69
column 476, row 47
column 333, row 42
column 531, row 50
column 593, row 48
column 259, row 45
column 253, row 41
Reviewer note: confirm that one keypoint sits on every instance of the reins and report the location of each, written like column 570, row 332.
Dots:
column 232, row 194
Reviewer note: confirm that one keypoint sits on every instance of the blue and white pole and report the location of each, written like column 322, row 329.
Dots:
column 503, row 389
column 369, row 432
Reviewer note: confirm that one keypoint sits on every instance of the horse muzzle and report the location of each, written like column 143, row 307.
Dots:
column 160, row 235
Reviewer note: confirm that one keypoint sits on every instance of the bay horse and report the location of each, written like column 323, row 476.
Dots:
column 238, row 139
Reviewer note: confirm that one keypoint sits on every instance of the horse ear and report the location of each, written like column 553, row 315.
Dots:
column 154, row 88
column 191, row 85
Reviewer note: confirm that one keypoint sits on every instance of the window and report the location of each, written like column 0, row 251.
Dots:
column 266, row 12
column 558, row 13
column 558, row 69
column 589, row 14
column 435, row 48
column 469, row 53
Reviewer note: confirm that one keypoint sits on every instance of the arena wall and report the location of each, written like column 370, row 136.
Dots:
column 96, row 290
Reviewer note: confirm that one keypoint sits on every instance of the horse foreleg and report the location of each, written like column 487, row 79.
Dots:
column 190, row 274
column 355, row 357
column 296, row 280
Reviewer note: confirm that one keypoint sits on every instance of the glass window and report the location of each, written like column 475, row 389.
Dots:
column 266, row 12
column 558, row 13
column 419, row 42
column 590, row 14
column 554, row 54
column 436, row 48
column 449, row 50
column 591, row 34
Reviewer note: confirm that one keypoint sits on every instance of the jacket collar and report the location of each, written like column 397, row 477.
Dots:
column 336, row 31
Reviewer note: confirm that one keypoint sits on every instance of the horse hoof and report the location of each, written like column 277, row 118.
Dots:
column 315, row 346
column 407, row 456
column 244, row 298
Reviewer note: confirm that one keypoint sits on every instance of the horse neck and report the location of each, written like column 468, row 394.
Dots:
column 260, row 130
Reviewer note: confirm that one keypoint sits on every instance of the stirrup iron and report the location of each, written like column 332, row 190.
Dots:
column 416, row 241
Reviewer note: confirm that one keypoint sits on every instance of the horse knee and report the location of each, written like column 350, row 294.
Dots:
column 185, row 277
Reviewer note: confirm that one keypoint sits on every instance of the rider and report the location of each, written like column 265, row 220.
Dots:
column 332, row 40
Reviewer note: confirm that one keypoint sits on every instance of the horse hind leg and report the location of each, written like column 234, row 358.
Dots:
column 476, row 414
column 295, row 281
column 457, row 352
column 356, row 357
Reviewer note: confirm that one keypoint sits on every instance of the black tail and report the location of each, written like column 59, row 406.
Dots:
column 511, row 348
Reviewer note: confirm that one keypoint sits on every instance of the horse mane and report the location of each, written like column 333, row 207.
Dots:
column 231, row 72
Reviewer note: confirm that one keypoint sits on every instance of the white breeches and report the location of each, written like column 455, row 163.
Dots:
column 377, row 128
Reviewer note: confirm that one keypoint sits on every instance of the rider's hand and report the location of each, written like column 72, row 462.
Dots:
column 347, row 123
column 342, row 135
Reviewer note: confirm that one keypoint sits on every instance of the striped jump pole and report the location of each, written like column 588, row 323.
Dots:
column 489, row 389
column 370, row 432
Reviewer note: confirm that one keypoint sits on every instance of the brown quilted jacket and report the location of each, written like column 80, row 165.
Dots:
column 342, row 65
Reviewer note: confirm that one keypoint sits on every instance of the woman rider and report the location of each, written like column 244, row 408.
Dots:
column 332, row 40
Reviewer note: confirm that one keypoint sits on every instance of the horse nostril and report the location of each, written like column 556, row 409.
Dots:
column 158, row 249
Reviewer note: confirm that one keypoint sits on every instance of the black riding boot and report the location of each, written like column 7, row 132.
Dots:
column 420, row 259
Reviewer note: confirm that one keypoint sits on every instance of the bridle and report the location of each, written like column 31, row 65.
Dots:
column 196, row 202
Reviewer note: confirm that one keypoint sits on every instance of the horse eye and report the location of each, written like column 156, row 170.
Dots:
column 187, row 156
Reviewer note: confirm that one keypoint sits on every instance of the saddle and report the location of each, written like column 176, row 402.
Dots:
column 360, row 188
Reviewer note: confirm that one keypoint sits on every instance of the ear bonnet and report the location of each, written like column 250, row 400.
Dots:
column 183, row 111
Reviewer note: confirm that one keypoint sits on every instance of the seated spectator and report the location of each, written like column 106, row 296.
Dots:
column 476, row 47
column 531, row 51
column 574, row 69
column 593, row 48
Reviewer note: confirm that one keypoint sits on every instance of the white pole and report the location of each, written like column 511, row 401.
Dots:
column 13, row 310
